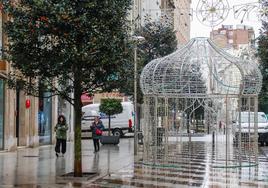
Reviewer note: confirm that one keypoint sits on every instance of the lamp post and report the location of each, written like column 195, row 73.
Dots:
column 136, row 40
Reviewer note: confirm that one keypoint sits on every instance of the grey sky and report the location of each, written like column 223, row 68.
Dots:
column 200, row 30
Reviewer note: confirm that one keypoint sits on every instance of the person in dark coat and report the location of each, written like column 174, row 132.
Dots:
column 96, row 129
column 61, row 135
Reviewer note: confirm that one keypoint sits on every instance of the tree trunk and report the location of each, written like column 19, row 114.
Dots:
column 109, row 125
column 77, row 127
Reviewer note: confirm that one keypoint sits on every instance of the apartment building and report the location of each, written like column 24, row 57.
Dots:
column 237, row 38
column 176, row 13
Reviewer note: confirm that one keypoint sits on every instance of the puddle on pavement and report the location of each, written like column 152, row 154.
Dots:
column 193, row 166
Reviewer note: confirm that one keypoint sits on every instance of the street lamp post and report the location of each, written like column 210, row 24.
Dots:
column 136, row 40
column 135, row 101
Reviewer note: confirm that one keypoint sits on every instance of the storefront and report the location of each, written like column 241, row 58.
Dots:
column 1, row 114
column 45, row 119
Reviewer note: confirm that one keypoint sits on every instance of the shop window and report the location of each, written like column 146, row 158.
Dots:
column 44, row 118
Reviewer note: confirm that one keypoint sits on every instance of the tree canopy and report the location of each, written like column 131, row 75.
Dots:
column 111, row 107
column 263, row 57
column 160, row 40
column 66, row 46
column 58, row 39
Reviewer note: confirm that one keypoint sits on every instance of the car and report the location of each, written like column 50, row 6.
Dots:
column 247, row 126
column 120, row 123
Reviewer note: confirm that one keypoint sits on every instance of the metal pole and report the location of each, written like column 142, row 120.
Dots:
column 135, row 99
column 227, row 131
column 249, row 131
column 166, row 127
column 239, row 129
column 256, row 148
column 136, row 39
column 256, row 129
column 154, row 130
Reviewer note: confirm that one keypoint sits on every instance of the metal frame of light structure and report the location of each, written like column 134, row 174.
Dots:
column 198, row 80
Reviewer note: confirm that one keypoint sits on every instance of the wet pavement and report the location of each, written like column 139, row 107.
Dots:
column 39, row 167
column 195, row 165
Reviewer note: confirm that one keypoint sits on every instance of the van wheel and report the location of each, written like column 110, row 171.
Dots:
column 117, row 132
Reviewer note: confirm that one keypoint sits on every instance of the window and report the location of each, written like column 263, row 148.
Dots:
column 44, row 118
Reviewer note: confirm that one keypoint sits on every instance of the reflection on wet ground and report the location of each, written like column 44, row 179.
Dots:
column 195, row 164
column 39, row 167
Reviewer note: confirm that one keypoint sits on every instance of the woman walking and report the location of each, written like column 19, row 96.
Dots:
column 96, row 129
column 61, row 136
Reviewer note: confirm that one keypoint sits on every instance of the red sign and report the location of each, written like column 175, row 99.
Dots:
column 28, row 103
column 86, row 98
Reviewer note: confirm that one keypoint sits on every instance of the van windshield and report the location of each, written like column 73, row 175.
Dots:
column 261, row 119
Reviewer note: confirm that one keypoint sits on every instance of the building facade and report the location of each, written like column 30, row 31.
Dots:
column 177, row 13
column 25, row 121
column 182, row 19
column 237, row 38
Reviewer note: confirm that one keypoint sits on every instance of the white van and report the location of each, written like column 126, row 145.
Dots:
column 120, row 123
column 247, row 125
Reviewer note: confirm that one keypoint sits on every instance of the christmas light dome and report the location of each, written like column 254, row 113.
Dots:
column 200, row 69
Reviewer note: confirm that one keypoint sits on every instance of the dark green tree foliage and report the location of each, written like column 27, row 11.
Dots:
column 160, row 40
column 110, row 107
column 263, row 57
column 77, row 44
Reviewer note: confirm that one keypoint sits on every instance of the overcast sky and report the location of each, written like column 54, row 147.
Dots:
column 200, row 30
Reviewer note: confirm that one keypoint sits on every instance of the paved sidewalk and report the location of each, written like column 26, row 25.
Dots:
column 195, row 166
column 39, row 167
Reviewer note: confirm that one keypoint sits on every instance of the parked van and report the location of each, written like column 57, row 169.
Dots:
column 247, row 125
column 120, row 123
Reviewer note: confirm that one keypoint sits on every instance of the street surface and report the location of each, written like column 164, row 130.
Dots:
column 196, row 166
